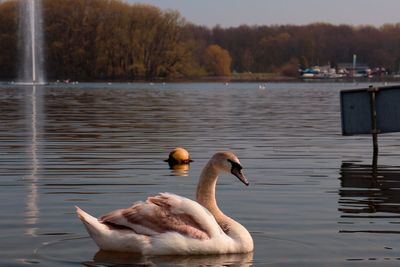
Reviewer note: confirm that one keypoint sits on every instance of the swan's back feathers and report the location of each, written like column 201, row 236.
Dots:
column 165, row 213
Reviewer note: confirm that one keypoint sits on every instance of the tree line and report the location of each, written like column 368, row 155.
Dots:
column 110, row 39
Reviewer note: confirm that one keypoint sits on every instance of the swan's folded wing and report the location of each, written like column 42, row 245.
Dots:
column 165, row 213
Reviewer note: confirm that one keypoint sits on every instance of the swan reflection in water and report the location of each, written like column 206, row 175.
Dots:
column 105, row 258
column 369, row 193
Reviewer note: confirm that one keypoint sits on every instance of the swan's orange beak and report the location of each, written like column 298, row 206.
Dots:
column 238, row 173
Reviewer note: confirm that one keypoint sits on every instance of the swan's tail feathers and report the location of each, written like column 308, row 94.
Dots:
column 111, row 238
column 93, row 226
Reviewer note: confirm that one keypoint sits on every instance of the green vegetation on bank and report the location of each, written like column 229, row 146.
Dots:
column 110, row 39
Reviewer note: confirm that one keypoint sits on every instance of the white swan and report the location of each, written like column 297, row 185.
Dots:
column 168, row 224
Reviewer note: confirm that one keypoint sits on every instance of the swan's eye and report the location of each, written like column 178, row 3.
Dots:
column 235, row 165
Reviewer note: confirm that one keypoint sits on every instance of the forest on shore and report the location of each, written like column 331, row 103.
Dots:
column 110, row 39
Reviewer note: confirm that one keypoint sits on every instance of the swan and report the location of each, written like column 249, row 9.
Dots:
column 168, row 224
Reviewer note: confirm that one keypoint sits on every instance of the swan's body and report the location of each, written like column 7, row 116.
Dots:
column 168, row 224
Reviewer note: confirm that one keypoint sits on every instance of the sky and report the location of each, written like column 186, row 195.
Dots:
column 271, row 12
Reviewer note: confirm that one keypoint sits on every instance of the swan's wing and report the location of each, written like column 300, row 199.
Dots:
column 165, row 213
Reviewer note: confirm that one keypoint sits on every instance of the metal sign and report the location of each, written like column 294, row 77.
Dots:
column 357, row 110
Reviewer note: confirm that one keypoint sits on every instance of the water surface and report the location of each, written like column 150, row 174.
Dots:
column 313, row 199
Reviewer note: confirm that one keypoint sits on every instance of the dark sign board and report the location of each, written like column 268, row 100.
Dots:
column 356, row 110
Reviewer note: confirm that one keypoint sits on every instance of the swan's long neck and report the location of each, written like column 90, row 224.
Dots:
column 206, row 197
column 206, row 193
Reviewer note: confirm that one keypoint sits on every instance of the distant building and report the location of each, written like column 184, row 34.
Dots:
column 343, row 70
column 347, row 69
column 319, row 72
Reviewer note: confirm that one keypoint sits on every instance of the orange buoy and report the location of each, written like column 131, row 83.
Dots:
column 179, row 156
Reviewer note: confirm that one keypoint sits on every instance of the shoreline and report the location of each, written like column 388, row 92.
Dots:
column 235, row 78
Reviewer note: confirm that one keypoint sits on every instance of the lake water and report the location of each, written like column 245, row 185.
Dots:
column 313, row 199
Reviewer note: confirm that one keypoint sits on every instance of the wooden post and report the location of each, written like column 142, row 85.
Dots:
column 374, row 129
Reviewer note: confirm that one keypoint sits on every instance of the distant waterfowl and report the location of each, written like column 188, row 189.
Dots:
column 262, row 86
column 168, row 224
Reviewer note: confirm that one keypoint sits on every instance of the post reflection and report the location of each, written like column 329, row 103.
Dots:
column 369, row 198
column 104, row 258
column 32, row 208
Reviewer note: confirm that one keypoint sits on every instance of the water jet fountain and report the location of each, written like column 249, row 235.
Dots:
column 31, row 46
column 31, row 73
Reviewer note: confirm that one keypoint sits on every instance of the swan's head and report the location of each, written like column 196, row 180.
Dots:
column 228, row 162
